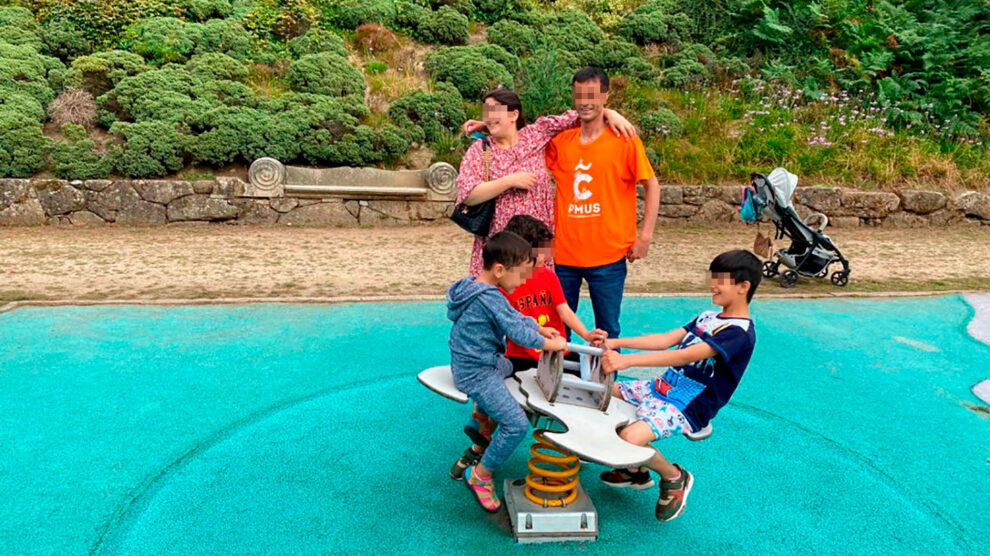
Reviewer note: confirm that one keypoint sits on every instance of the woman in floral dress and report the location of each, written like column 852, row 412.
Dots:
column 518, row 177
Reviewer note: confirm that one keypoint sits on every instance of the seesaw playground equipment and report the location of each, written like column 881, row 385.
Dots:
column 550, row 504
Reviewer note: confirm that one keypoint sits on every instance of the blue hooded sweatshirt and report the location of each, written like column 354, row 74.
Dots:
column 482, row 319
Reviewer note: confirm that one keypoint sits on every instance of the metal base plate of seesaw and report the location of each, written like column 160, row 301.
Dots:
column 532, row 523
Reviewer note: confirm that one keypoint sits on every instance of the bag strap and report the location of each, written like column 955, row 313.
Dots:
column 487, row 157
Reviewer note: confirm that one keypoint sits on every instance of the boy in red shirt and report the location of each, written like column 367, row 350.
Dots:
column 541, row 298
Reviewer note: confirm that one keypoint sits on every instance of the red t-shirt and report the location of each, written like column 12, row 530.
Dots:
column 537, row 297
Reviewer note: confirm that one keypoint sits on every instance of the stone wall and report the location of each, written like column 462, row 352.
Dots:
column 155, row 202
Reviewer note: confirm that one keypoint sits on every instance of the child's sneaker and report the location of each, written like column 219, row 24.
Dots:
column 484, row 491
column 467, row 459
column 622, row 478
column 673, row 495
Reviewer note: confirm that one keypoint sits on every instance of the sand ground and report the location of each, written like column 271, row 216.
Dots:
column 217, row 261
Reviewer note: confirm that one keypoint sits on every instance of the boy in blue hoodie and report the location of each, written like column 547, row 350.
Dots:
column 482, row 319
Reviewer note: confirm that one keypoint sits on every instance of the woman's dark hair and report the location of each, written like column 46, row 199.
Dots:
column 531, row 229
column 507, row 249
column 511, row 102
column 741, row 266
column 591, row 73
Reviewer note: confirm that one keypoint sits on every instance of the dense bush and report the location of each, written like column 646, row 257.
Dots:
column 23, row 147
column 23, row 69
column 150, row 149
column 216, row 66
column 161, row 39
column 77, row 157
column 317, row 40
column 65, row 39
column 491, row 11
column 102, row 71
column 13, row 101
column 225, row 36
column 428, row 114
column 443, row 26
column 348, row 14
column 473, row 70
column 18, row 26
column 281, row 19
column 659, row 123
column 657, row 21
column 325, row 73
column 201, row 10
column 517, row 38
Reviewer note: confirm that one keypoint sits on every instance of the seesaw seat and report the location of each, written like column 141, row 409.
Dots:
column 590, row 433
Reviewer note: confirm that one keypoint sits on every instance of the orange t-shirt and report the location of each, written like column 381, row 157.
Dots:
column 595, row 207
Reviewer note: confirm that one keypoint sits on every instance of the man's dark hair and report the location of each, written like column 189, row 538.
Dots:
column 507, row 249
column 531, row 229
column 741, row 266
column 591, row 73
column 510, row 100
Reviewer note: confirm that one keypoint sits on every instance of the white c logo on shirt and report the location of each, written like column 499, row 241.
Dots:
column 579, row 178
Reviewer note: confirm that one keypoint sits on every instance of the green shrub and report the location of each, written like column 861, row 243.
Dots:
column 13, row 101
column 215, row 65
column 77, row 158
column 444, row 26
column 102, row 71
column 18, row 26
column 150, row 149
column 325, row 73
column 156, row 94
column 317, row 40
column 23, row 147
column 471, row 69
column 491, row 11
column 612, row 55
column 201, row 10
column 281, row 19
column 513, row 36
column 348, row 14
column 657, row 21
column 219, row 91
column 659, row 123
column 691, row 64
column 225, row 36
column 427, row 114
column 233, row 133
column 569, row 31
column 66, row 40
column 23, row 69
column 162, row 39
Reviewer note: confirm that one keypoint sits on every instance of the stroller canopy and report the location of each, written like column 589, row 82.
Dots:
column 784, row 183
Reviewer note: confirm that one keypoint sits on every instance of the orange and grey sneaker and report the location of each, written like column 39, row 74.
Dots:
column 483, row 490
column 673, row 495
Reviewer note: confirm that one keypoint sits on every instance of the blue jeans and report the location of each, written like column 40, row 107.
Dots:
column 605, row 283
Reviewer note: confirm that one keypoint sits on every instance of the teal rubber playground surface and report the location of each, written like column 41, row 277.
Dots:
column 278, row 429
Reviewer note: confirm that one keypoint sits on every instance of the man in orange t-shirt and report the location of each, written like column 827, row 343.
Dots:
column 595, row 208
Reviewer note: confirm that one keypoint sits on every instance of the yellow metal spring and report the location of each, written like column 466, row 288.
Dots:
column 553, row 478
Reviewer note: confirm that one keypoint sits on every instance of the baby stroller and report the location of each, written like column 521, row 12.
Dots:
column 811, row 252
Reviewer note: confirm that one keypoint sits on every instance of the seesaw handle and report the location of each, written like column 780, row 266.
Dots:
column 583, row 384
column 587, row 350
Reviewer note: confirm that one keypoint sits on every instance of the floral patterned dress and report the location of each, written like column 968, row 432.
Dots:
column 525, row 156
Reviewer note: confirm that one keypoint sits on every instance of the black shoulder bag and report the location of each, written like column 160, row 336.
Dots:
column 477, row 219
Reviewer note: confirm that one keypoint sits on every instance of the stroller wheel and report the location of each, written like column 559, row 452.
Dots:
column 840, row 278
column 789, row 279
column 770, row 269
